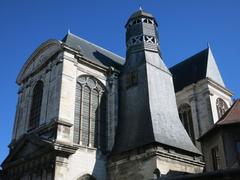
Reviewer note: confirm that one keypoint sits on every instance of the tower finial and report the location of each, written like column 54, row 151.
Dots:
column 140, row 8
column 69, row 31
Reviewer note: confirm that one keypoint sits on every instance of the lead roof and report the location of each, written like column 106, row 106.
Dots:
column 194, row 69
column 92, row 52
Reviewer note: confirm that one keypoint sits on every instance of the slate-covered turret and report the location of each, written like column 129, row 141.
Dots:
column 148, row 109
column 141, row 33
column 150, row 139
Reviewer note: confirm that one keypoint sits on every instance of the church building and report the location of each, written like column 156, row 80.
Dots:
column 85, row 113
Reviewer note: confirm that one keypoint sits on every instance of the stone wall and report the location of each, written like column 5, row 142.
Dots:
column 86, row 160
column 141, row 163
column 231, row 136
column 50, row 75
column 215, row 140
column 202, row 98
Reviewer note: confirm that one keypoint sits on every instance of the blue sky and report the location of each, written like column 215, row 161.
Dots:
column 185, row 28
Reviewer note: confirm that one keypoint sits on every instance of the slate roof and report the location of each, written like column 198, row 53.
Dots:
column 92, row 52
column 232, row 116
column 141, row 13
column 145, row 117
column 194, row 69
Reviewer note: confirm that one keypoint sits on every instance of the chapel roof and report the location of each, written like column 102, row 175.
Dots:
column 232, row 116
column 93, row 52
column 195, row 68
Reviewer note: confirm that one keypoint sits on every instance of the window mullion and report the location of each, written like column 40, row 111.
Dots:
column 89, row 120
column 81, row 115
column 99, row 120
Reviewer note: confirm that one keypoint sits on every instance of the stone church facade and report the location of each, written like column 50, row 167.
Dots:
column 86, row 113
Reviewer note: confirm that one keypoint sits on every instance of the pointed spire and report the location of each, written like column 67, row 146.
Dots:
column 69, row 32
column 212, row 68
column 140, row 8
column 208, row 45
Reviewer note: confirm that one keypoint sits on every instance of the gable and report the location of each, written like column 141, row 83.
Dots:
column 40, row 56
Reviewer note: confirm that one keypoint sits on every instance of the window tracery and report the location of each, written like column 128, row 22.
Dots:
column 90, row 113
column 185, row 115
column 221, row 107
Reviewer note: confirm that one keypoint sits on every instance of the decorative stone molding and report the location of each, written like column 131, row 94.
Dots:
column 64, row 122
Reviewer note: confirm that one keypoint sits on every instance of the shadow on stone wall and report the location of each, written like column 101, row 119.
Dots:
column 227, row 174
column 99, row 170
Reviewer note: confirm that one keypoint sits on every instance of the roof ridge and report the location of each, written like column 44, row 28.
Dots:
column 74, row 35
column 208, row 57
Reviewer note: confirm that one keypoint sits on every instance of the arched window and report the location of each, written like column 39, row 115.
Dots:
column 156, row 173
column 35, row 111
column 185, row 115
column 87, row 177
column 221, row 107
column 90, row 113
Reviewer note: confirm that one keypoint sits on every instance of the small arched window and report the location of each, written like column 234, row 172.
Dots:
column 35, row 111
column 87, row 177
column 156, row 173
column 185, row 115
column 90, row 113
column 221, row 107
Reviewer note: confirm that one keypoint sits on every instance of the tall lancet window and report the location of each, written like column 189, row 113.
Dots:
column 35, row 111
column 221, row 107
column 90, row 113
column 185, row 115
